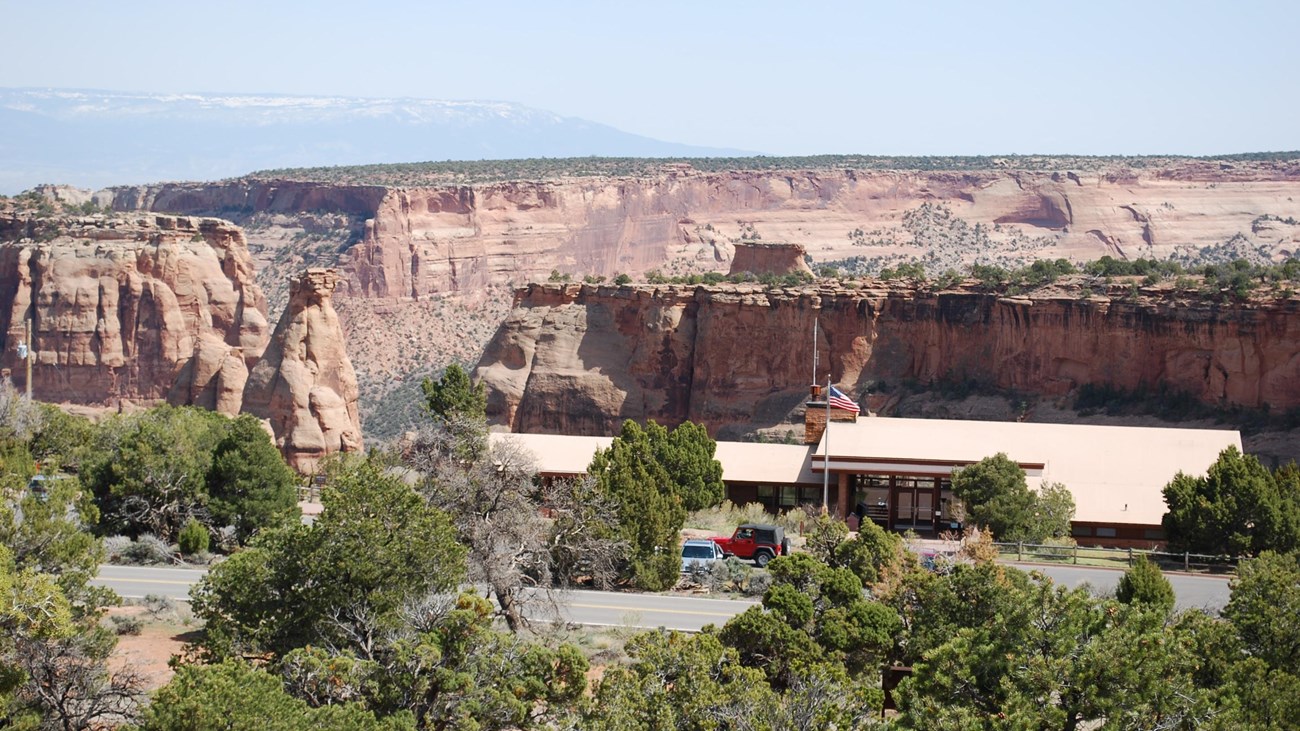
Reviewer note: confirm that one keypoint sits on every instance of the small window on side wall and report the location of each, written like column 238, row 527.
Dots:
column 1105, row 533
column 1081, row 530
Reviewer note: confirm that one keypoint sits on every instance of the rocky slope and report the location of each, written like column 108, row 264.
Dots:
column 578, row 359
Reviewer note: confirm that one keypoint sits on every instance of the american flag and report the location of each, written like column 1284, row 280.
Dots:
column 839, row 401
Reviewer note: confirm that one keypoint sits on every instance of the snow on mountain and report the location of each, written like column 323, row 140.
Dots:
column 93, row 138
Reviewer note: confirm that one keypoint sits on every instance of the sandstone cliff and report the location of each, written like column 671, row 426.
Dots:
column 305, row 385
column 579, row 359
column 121, row 307
column 423, row 252
column 138, row 309
column 418, row 241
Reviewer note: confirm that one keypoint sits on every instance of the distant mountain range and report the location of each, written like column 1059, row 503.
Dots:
column 93, row 138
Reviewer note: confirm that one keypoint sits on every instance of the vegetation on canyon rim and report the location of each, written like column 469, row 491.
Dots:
column 494, row 171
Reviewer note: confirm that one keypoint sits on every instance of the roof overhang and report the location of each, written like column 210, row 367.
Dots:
column 887, row 466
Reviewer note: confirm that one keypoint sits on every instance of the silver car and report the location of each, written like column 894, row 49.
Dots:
column 700, row 552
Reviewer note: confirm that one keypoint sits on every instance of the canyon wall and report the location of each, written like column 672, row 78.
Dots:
column 419, row 241
column 579, row 359
column 425, row 262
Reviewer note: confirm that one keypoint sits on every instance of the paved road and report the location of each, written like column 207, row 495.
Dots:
column 673, row 612
column 136, row 582
column 596, row 608
column 606, row 608
column 1190, row 590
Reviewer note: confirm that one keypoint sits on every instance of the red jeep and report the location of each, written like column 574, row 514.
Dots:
column 762, row 543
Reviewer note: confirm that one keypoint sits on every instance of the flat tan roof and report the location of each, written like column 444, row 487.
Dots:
column 777, row 464
column 1116, row 473
column 557, row 454
column 773, row 464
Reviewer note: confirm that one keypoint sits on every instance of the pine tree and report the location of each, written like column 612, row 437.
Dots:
column 249, row 485
column 1145, row 584
column 688, row 455
column 1235, row 509
column 455, row 394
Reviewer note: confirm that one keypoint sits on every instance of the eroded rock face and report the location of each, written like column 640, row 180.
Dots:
column 579, row 359
column 425, row 240
column 304, row 385
column 121, row 307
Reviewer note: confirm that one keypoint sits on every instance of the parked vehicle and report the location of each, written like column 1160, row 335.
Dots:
column 757, row 542
column 700, row 552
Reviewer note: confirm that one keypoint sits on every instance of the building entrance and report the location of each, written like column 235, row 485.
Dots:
column 904, row 502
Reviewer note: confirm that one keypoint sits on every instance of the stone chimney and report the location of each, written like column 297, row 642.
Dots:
column 814, row 415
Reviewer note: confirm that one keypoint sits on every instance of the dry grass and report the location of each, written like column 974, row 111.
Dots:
column 724, row 518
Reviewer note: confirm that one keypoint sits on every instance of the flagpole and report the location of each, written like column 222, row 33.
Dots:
column 814, row 378
column 826, row 456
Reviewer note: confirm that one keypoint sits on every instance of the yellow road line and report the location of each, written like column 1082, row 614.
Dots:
column 643, row 610
column 647, row 610
column 103, row 580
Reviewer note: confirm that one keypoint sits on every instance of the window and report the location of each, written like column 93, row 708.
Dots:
column 1080, row 530
column 1153, row 534
column 697, row 552
column 1103, row 532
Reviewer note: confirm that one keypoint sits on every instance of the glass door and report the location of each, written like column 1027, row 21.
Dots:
column 906, row 508
column 924, row 508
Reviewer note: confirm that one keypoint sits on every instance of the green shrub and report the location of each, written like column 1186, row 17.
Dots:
column 123, row 625
column 193, row 538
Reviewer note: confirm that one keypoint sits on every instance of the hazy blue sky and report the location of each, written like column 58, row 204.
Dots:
column 971, row 77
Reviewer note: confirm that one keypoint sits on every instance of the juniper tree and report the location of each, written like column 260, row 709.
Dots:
column 650, row 510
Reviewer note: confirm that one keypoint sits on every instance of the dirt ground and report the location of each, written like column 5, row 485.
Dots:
column 149, row 652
